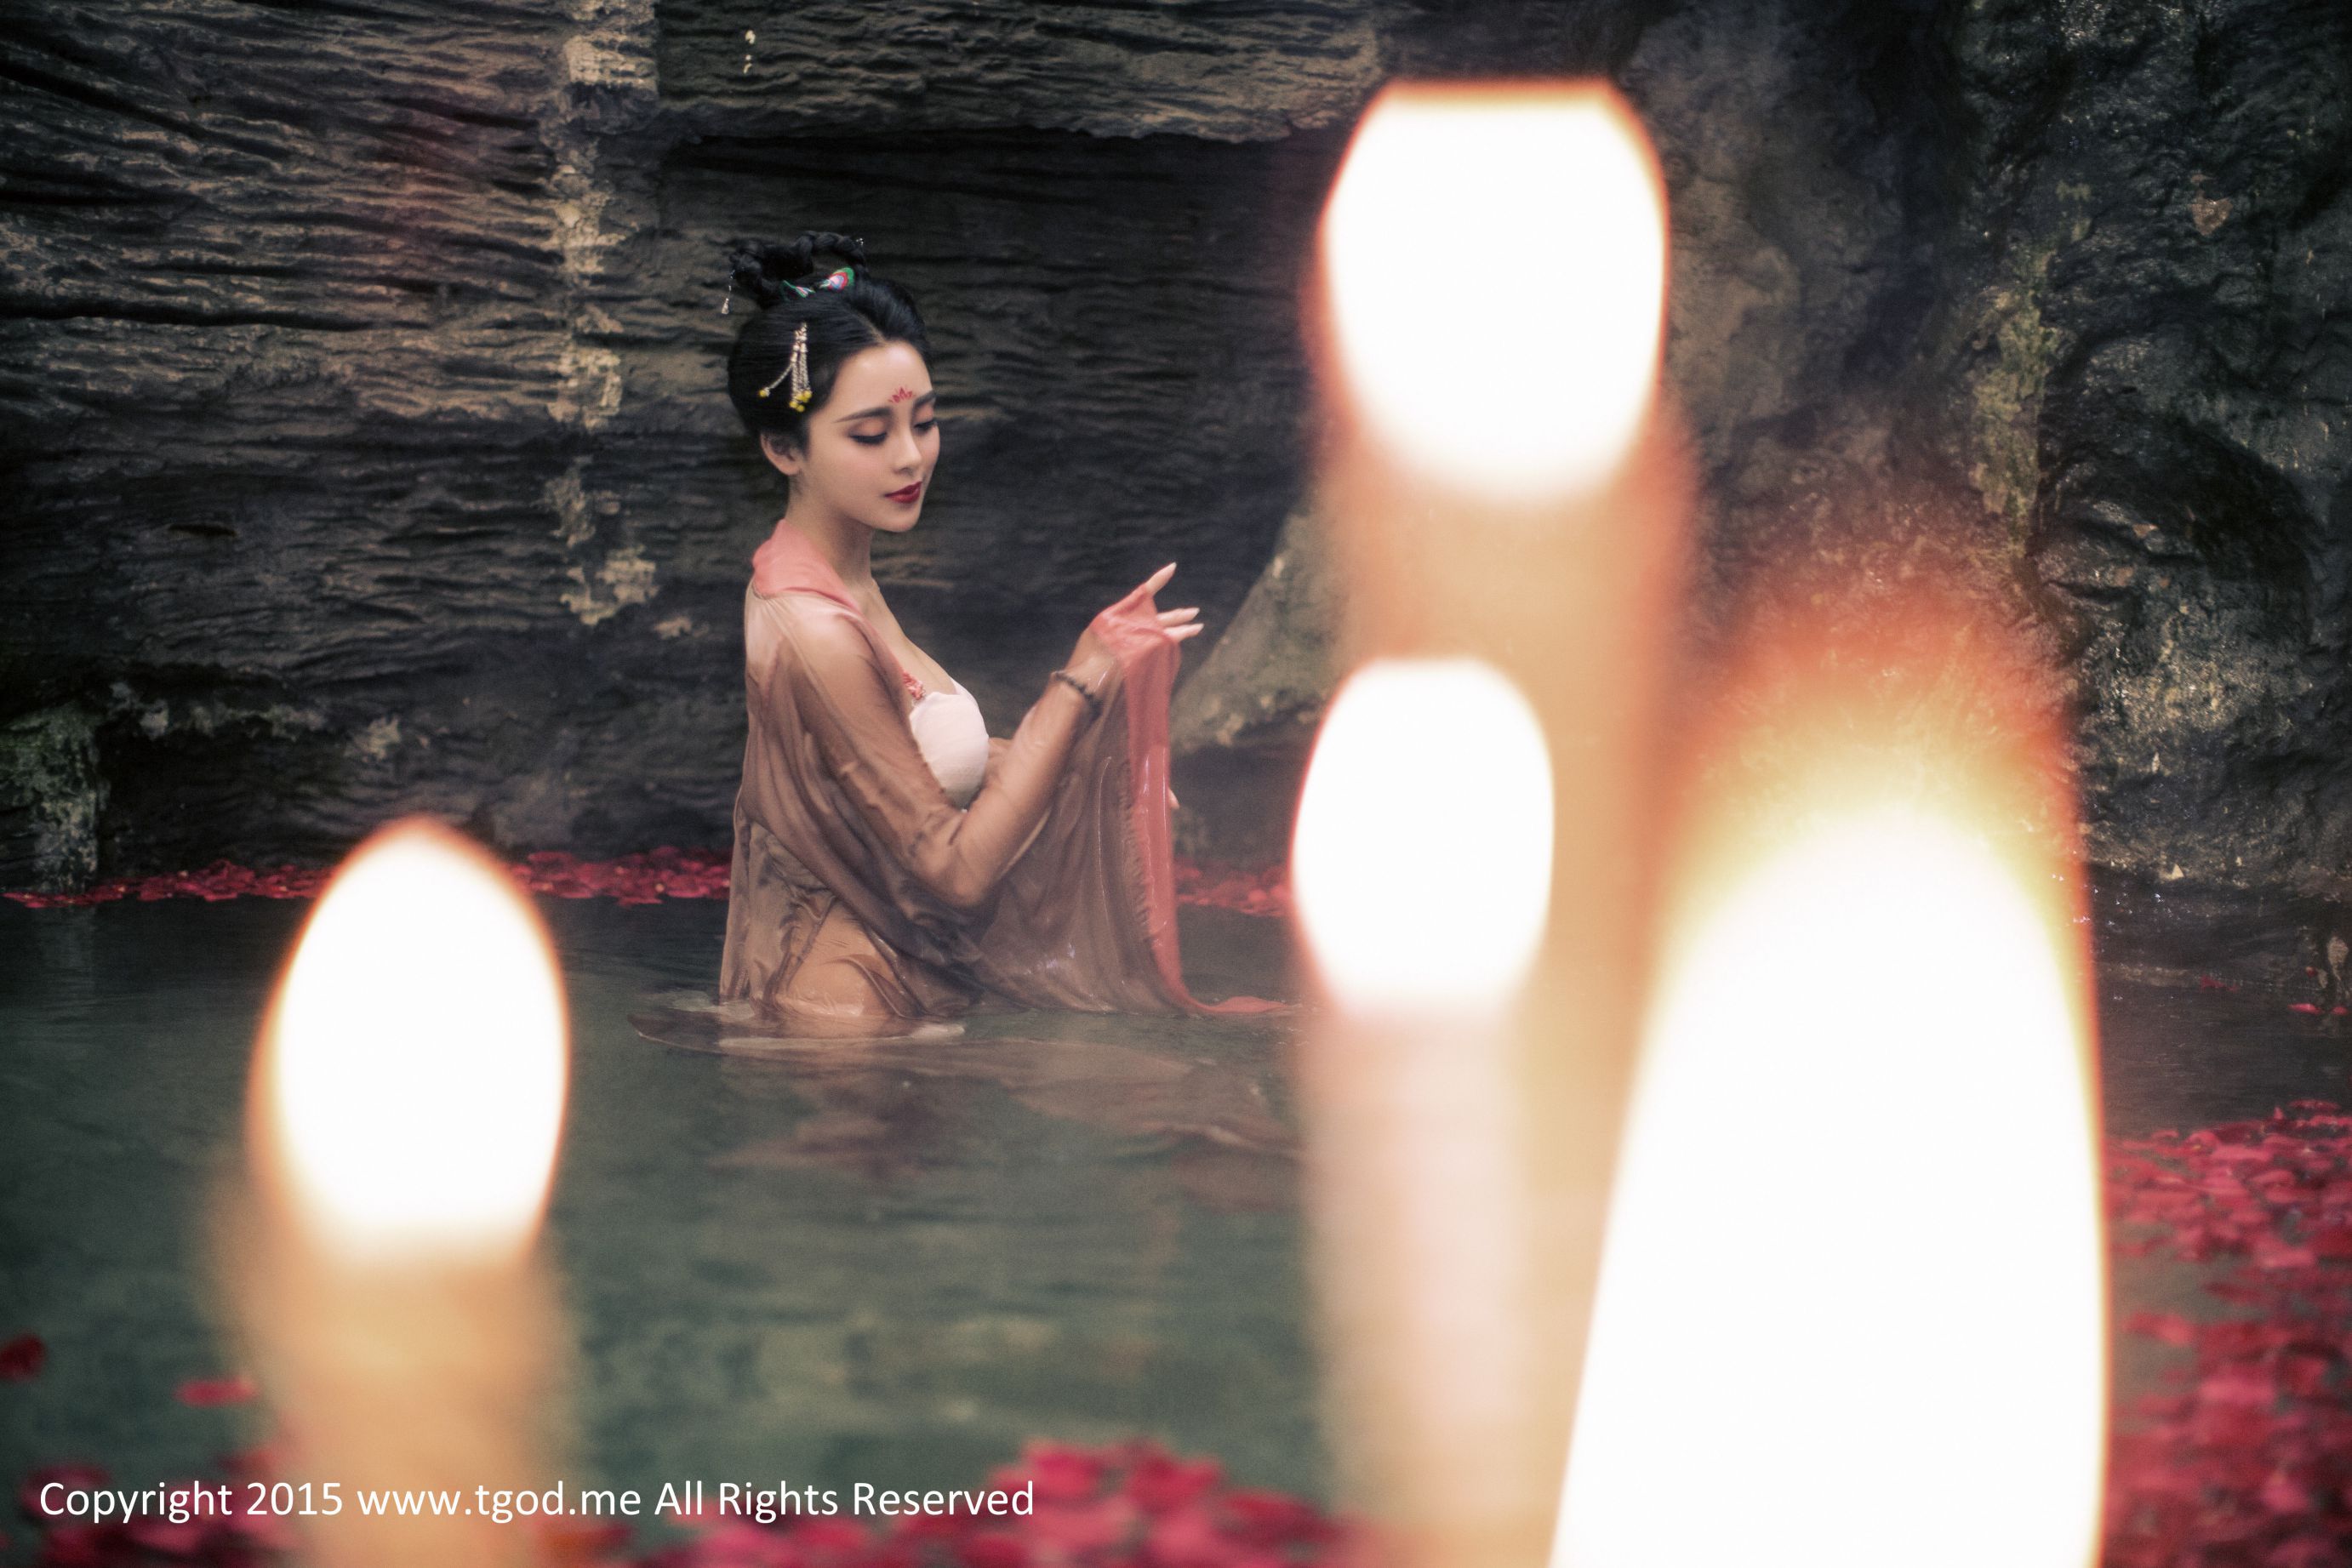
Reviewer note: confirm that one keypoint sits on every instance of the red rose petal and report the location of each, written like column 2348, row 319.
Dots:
column 204, row 1393
column 21, row 1358
column 993, row 1548
column 668, row 872
column 2169, row 1327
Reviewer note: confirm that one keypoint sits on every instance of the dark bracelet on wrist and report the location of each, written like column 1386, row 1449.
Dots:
column 1094, row 703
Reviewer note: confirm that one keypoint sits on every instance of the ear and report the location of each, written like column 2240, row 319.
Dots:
column 787, row 459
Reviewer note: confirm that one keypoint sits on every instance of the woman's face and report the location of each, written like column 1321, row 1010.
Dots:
column 870, row 447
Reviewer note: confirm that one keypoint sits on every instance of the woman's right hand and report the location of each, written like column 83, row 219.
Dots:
column 1096, row 653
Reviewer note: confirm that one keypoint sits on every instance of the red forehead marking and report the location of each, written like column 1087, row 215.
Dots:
column 901, row 395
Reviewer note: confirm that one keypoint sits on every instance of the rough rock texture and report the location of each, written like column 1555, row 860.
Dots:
column 364, row 413
column 1244, row 722
column 361, row 408
column 2051, row 298
column 776, row 69
column 2171, row 260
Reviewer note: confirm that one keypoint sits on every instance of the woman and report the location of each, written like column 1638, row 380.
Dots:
column 893, row 864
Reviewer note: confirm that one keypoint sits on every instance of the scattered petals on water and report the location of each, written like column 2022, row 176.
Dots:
column 2251, row 1460
column 1060, row 1473
column 2242, row 1457
column 205, row 1393
column 21, row 1358
column 1158, row 1481
column 1260, row 890
column 647, row 877
column 2169, row 1327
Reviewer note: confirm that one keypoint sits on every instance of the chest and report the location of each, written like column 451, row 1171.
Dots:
column 912, row 659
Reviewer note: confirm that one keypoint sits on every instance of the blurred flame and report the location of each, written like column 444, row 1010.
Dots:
column 413, row 1072
column 1853, row 1285
column 1495, row 262
column 1422, row 863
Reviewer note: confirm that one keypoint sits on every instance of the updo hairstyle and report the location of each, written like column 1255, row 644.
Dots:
column 842, row 322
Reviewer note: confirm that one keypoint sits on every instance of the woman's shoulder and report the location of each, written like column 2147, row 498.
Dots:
column 786, row 562
column 810, row 629
column 797, row 599
column 806, row 613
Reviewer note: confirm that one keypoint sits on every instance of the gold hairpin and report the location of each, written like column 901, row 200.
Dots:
column 797, row 368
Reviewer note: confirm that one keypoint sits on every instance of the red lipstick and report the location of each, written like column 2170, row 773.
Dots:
column 909, row 494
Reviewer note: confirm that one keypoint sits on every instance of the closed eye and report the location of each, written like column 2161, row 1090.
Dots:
column 877, row 440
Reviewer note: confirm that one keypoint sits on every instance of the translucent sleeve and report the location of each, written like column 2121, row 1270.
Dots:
column 958, row 856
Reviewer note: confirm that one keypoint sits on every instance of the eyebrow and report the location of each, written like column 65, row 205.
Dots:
column 869, row 413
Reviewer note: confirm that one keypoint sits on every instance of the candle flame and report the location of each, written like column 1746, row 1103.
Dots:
column 1494, row 257
column 412, row 1070
column 1422, row 857
column 1853, row 1285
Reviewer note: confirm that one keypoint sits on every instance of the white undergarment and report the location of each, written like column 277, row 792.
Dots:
column 953, row 738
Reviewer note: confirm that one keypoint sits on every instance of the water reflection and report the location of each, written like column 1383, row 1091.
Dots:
column 887, row 1110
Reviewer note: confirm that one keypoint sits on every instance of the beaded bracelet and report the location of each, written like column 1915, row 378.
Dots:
column 1094, row 703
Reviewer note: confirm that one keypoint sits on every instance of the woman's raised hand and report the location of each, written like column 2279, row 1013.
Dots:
column 1097, row 654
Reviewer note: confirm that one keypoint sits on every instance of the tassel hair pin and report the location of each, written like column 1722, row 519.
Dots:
column 796, row 369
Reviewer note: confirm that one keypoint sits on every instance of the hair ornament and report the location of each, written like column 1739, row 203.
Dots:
column 840, row 277
column 796, row 368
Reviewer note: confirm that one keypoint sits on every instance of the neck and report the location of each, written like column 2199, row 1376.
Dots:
column 845, row 544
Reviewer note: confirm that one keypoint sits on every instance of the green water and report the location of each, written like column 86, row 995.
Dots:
column 886, row 1271
column 891, row 1266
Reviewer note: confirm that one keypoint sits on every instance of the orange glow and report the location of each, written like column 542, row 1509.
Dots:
column 1423, row 859
column 1535, row 216
column 412, row 1070
column 1853, row 1286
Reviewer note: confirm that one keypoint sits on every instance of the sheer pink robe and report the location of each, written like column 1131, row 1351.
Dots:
column 864, row 902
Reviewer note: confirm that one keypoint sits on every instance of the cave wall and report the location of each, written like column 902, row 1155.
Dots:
column 2171, row 267
column 364, row 421
column 2053, row 301
column 361, row 413
column 2060, row 290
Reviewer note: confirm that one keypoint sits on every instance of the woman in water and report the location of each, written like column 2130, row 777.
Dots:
column 893, row 864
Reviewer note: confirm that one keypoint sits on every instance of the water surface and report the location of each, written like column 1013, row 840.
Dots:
column 882, row 1268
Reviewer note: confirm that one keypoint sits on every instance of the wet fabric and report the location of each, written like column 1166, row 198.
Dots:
column 863, row 901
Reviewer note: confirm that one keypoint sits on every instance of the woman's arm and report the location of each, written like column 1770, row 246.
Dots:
column 844, row 699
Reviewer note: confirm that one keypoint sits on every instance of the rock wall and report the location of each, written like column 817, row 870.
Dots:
column 2050, row 299
column 2166, row 289
column 364, row 422
column 362, row 416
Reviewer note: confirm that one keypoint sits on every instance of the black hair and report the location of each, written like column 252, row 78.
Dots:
column 841, row 323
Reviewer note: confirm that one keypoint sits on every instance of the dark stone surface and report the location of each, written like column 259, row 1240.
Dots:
column 364, row 420
column 360, row 402
column 2176, row 212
